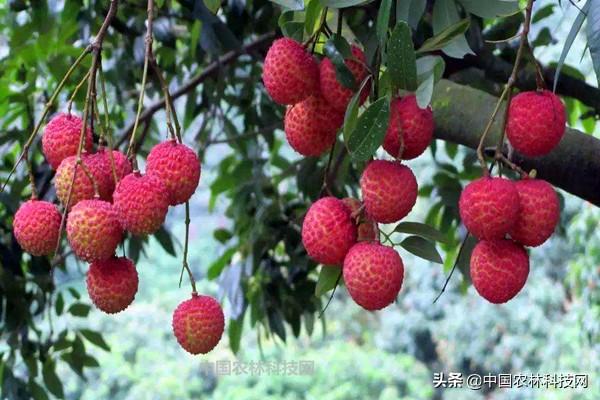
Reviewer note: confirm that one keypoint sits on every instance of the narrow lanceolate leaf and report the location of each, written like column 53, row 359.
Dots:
column 423, row 230
column 402, row 65
column 328, row 277
column 291, row 4
column 428, row 65
column 235, row 333
column 337, row 50
column 410, row 11
column 370, row 130
column 343, row 3
column 490, row 8
column 445, row 14
column 445, row 37
column 425, row 92
column 422, row 248
column 313, row 16
column 575, row 28
column 383, row 21
column 351, row 114
column 593, row 35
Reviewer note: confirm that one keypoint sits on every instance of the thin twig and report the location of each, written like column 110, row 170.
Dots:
column 337, row 282
column 460, row 251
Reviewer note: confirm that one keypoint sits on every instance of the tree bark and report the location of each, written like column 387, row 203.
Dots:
column 461, row 113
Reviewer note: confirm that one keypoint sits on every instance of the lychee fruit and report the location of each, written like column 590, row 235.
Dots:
column 112, row 284
column 311, row 126
column 198, row 324
column 178, row 167
column 83, row 187
column 536, row 122
column 499, row 269
column 373, row 274
column 61, row 138
column 103, row 167
column 36, row 226
column 413, row 123
column 367, row 230
column 93, row 230
column 328, row 231
column 141, row 202
column 539, row 212
column 489, row 207
column 389, row 190
column 333, row 91
column 290, row 73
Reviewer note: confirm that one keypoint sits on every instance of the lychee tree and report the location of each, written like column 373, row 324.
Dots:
column 315, row 107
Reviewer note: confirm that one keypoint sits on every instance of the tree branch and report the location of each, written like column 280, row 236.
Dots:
column 461, row 112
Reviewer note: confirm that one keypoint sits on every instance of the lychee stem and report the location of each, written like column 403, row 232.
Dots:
column 76, row 90
column 185, row 265
column 31, row 178
column 106, row 123
column 460, row 251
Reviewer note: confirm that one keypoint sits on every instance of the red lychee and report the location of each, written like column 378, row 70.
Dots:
column 103, row 168
column 93, row 230
column 389, row 190
column 499, row 269
column 311, row 126
column 198, row 324
column 413, row 123
column 61, row 138
column 83, row 187
column 536, row 122
column 112, row 284
column 489, row 207
column 36, row 227
column 141, row 202
column 373, row 274
column 290, row 73
column 539, row 212
column 367, row 230
column 178, row 167
column 328, row 231
column 333, row 91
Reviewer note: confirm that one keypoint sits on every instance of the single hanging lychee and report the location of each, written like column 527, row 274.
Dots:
column 413, row 123
column 112, row 284
column 36, row 225
column 61, row 138
column 198, row 324
column 178, row 167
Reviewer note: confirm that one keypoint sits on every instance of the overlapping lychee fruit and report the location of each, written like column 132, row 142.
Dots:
column 61, row 138
column 410, row 129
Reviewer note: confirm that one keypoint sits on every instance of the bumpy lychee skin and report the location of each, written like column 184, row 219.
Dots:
column 83, row 187
column 373, row 274
column 178, row 167
column 141, row 202
column 333, row 91
column 93, row 230
column 290, row 73
column 389, row 190
column 536, row 122
column 328, row 231
column 413, row 123
column 489, row 207
column 311, row 126
column 103, row 169
column 112, row 284
column 539, row 212
column 367, row 230
column 36, row 227
column 61, row 138
column 198, row 324
column 499, row 269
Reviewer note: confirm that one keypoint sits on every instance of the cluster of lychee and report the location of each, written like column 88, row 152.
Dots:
column 345, row 232
column 105, row 198
column 507, row 216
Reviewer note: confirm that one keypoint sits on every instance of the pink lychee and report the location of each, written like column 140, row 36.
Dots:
column 413, row 123
column 61, row 138
column 198, row 324
column 112, row 284
column 36, row 226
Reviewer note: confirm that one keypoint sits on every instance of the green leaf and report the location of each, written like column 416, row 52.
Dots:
column 166, row 241
column 74, row 293
column 445, row 14
column 410, row 11
column 445, row 37
column 575, row 28
column 464, row 258
column 314, row 10
column 216, row 267
column 37, row 392
column 490, row 8
column 370, row 130
column 422, row 230
column 95, row 338
column 422, row 248
column 222, row 235
column 337, row 50
column 402, row 64
column 296, row 5
column 79, row 309
column 328, row 277
column 542, row 13
column 593, row 35
column 60, row 304
column 351, row 114
column 383, row 21
column 235, row 333
column 343, row 3
column 425, row 92
column 428, row 65
column 213, row 5
column 51, row 379
column 294, row 30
